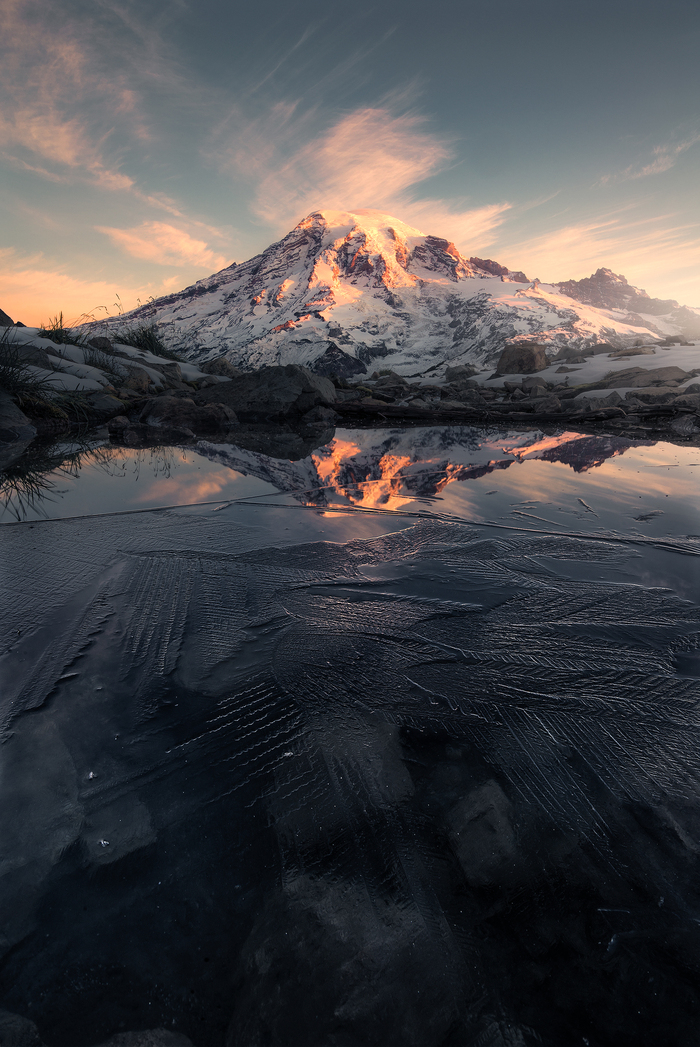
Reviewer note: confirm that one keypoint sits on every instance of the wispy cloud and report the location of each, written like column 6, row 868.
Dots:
column 662, row 158
column 369, row 158
column 164, row 244
column 51, row 89
column 658, row 254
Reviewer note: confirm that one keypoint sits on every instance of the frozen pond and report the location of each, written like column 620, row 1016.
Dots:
column 396, row 744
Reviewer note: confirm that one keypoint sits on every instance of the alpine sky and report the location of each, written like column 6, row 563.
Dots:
column 147, row 143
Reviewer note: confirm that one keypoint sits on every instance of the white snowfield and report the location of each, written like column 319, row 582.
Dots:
column 352, row 292
column 75, row 368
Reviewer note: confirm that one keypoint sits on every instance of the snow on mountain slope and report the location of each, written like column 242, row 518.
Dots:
column 346, row 292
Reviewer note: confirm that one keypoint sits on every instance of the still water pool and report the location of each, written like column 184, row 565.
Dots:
column 393, row 744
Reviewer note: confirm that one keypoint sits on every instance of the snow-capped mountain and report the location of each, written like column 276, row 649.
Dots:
column 347, row 292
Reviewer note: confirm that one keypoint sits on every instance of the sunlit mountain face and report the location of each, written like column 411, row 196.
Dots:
column 391, row 468
column 347, row 292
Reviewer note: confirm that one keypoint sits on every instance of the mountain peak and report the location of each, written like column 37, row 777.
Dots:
column 347, row 291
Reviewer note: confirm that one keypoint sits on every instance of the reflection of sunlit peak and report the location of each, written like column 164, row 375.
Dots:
column 545, row 443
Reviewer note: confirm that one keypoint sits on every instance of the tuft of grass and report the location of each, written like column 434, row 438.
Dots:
column 33, row 392
column 16, row 375
column 56, row 330
column 146, row 338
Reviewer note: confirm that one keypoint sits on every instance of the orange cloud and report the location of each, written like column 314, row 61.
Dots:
column 46, row 76
column 32, row 291
column 164, row 244
column 661, row 258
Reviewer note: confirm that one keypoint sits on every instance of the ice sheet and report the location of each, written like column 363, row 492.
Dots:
column 297, row 776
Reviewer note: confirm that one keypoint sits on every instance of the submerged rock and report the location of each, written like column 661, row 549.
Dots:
column 16, row 1031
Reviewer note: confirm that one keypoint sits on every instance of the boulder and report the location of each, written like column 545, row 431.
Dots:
column 685, row 425
column 147, row 1038
column 272, row 392
column 655, row 394
column 16, row 432
column 534, row 386
column 5, row 320
column 687, row 399
column 451, row 405
column 638, row 377
column 183, row 413
column 545, row 404
column 28, row 354
column 16, row 1031
column 101, row 343
column 482, row 834
column 118, row 424
column 103, row 405
column 525, row 358
column 137, row 379
column 221, row 366
column 459, row 373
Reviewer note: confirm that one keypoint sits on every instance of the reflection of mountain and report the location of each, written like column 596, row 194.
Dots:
column 387, row 468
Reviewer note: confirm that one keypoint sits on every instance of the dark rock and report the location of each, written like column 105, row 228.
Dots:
column 545, row 404
column 137, row 379
column 29, row 354
column 655, row 394
column 525, row 358
column 644, row 377
column 146, row 1038
column 221, row 366
column 480, row 829
column 103, row 405
column 452, row 405
column 183, row 412
column 101, row 343
column 685, row 425
column 16, row 1031
column 687, row 399
column 335, row 967
column 335, row 362
column 459, row 373
column 16, row 431
column 272, row 392
column 5, row 320
column 529, row 385
column 373, row 401
column 118, row 424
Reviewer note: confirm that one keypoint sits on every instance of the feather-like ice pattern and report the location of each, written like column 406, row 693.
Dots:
column 411, row 789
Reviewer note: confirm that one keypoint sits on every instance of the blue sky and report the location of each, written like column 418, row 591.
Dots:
column 147, row 144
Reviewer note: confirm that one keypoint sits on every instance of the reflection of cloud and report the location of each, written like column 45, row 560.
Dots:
column 164, row 244
column 175, row 490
